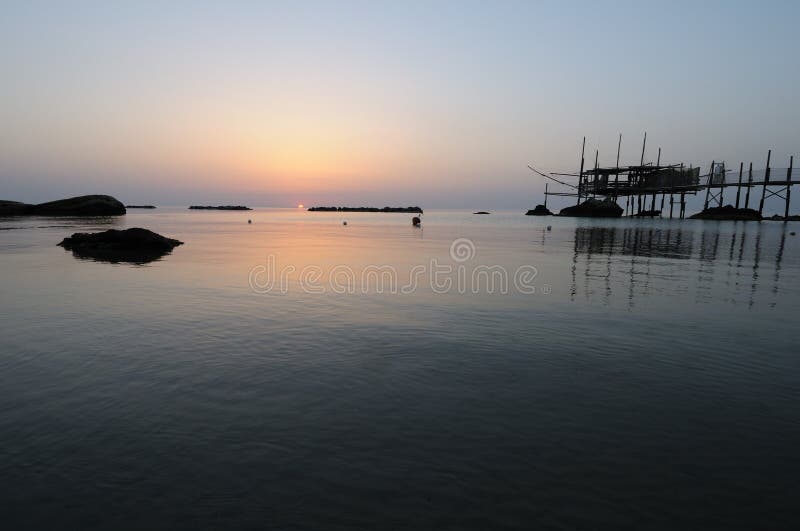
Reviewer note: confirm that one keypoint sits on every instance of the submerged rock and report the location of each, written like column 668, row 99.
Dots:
column 137, row 246
column 594, row 208
column 728, row 212
column 85, row 205
column 540, row 210
column 482, row 212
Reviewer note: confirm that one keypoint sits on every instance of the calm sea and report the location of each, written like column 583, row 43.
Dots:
column 482, row 372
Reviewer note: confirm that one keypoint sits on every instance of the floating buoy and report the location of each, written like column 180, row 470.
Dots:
column 416, row 221
column 791, row 233
column 549, row 227
column 344, row 223
column 249, row 221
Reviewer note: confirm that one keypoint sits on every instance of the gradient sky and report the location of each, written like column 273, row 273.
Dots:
column 441, row 104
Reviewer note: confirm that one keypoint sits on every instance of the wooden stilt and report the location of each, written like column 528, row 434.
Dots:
column 766, row 183
column 749, row 185
column 683, row 204
column 545, row 195
column 788, row 188
column 580, row 175
column 739, row 185
column 708, row 187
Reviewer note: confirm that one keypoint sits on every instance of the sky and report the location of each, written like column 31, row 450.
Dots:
column 438, row 104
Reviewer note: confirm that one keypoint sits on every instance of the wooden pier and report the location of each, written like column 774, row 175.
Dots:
column 643, row 183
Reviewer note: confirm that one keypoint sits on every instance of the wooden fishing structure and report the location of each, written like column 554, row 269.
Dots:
column 645, row 182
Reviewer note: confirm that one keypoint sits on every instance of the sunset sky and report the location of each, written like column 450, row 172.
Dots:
column 440, row 104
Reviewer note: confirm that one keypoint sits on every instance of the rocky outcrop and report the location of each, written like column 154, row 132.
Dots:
column 540, row 210
column 137, row 246
column 594, row 208
column 728, row 212
column 15, row 208
column 85, row 205
column 223, row 207
column 404, row 210
column 482, row 212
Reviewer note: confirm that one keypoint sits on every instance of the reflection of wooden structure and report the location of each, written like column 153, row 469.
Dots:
column 645, row 181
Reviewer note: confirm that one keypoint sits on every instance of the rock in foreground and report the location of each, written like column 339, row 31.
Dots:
column 137, row 246
column 85, row 205
column 728, row 212
column 594, row 208
column 540, row 210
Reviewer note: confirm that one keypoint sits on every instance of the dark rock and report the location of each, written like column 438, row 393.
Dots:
column 778, row 217
column 728, row 212
column 222, row 207
column 594, row 208
column 137, row 246
column 139, row 206
column 482, row 212
column 647, row 214
column 540, row 210
column 85, row 205
column 416, row 221
column 402, row 210
column 14, row 208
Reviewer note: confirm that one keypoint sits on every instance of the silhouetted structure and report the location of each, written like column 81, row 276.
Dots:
column 643, row 183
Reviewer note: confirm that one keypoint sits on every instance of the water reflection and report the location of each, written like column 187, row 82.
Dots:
column 732, row 262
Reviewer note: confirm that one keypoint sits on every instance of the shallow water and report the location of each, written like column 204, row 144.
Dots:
column 643, row 375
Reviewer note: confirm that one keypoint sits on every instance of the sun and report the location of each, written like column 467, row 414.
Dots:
column 300, row 205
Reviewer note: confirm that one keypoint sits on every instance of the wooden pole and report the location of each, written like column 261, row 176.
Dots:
column 739, row 186
column 708, row 187
column 644, row 143
column 580, row 175
column 616, row 176
column 545, row 195
column 683, row 204
column 749, row 184
column 722, row 185
column 663, row 193
column 788, row 188
column 672, row 190
column 766, row 183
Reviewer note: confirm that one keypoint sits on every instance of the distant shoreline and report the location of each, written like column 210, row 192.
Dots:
column 404, row 210
column 224, row 207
